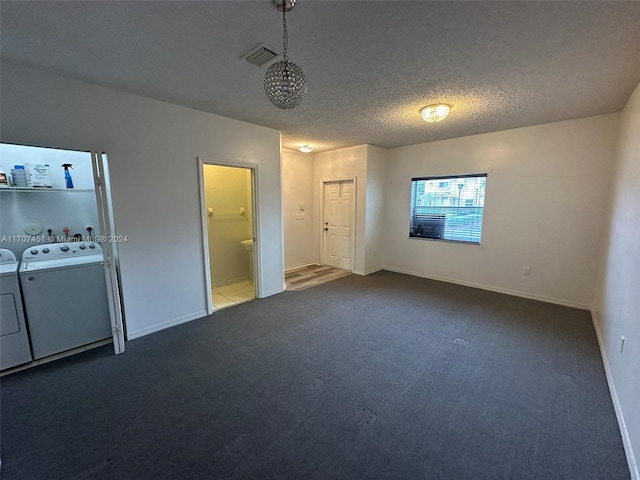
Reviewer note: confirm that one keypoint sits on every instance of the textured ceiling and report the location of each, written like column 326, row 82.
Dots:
column 370, row 65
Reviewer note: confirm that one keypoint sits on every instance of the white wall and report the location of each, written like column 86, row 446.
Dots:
column 152, row 148
column 617, row 300
column 547, row 193
column 337, row 165
column 49, row 209
column 377, row 159
column 301, row 241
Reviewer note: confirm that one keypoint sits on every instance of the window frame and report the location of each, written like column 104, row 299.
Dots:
column 436, row 226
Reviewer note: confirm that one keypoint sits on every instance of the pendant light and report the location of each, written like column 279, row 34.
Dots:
column 284, row 82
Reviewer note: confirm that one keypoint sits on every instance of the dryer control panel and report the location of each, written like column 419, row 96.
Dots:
column 54, row 251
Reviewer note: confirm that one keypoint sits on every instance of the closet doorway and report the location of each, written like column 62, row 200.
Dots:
column 59, row 240
column 228, row 218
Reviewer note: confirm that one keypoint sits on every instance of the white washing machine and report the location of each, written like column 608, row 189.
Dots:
column 65, row 296
column 14, row 339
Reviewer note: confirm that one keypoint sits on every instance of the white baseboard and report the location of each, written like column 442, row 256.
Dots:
column 288, row 269
column 272, row 292
column 161, row 326
column 367, row 272
column 187, row 318
column 624, row 432
column 491, row 288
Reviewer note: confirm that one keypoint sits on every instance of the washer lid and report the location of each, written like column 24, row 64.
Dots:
column 7, row 256
column 60, row 263
column 8, row 262
column 8, row 268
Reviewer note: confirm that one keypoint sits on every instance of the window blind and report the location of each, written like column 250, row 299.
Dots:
column 448, row 208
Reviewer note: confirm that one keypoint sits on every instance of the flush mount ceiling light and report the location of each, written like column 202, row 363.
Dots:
column 435, row 113
column 284, row 82
column 306, row 148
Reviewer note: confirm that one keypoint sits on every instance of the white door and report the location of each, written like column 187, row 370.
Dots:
column 338, row 224
column 109, row 248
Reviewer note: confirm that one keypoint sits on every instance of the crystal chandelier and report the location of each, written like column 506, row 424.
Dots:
column 284, row 82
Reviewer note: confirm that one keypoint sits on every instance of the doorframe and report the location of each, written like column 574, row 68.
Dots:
column 99, row 163
column 204, row 225
column 354, row 212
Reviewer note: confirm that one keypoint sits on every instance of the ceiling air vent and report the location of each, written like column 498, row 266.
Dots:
column 260, row 55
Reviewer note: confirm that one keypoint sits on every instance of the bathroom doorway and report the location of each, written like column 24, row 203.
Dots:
column 229, row 233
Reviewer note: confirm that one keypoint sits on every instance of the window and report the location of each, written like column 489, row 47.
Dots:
column 455, row 216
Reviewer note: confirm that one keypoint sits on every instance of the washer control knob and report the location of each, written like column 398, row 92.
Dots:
column 64, row 248
column 92, row 245
column 33, row 251
column 82, row 246
column 45, row 250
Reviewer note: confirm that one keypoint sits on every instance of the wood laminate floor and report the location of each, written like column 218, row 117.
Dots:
column 312, row 275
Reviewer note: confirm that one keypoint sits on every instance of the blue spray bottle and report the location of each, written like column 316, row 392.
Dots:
column 67, row 175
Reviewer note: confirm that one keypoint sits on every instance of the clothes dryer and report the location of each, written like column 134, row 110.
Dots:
column 14, row 338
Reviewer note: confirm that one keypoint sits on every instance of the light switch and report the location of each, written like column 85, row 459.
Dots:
column 302, row 207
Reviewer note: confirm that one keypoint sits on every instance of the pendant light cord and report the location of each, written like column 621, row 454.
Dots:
column 285, row 35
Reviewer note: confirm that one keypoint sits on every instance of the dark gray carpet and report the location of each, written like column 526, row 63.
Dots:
column 380, row 377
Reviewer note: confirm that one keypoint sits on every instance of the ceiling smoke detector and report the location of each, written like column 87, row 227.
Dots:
column 260, row 55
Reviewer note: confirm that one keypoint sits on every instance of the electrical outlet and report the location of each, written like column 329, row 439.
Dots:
column 621, row 344
column 526, row 271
